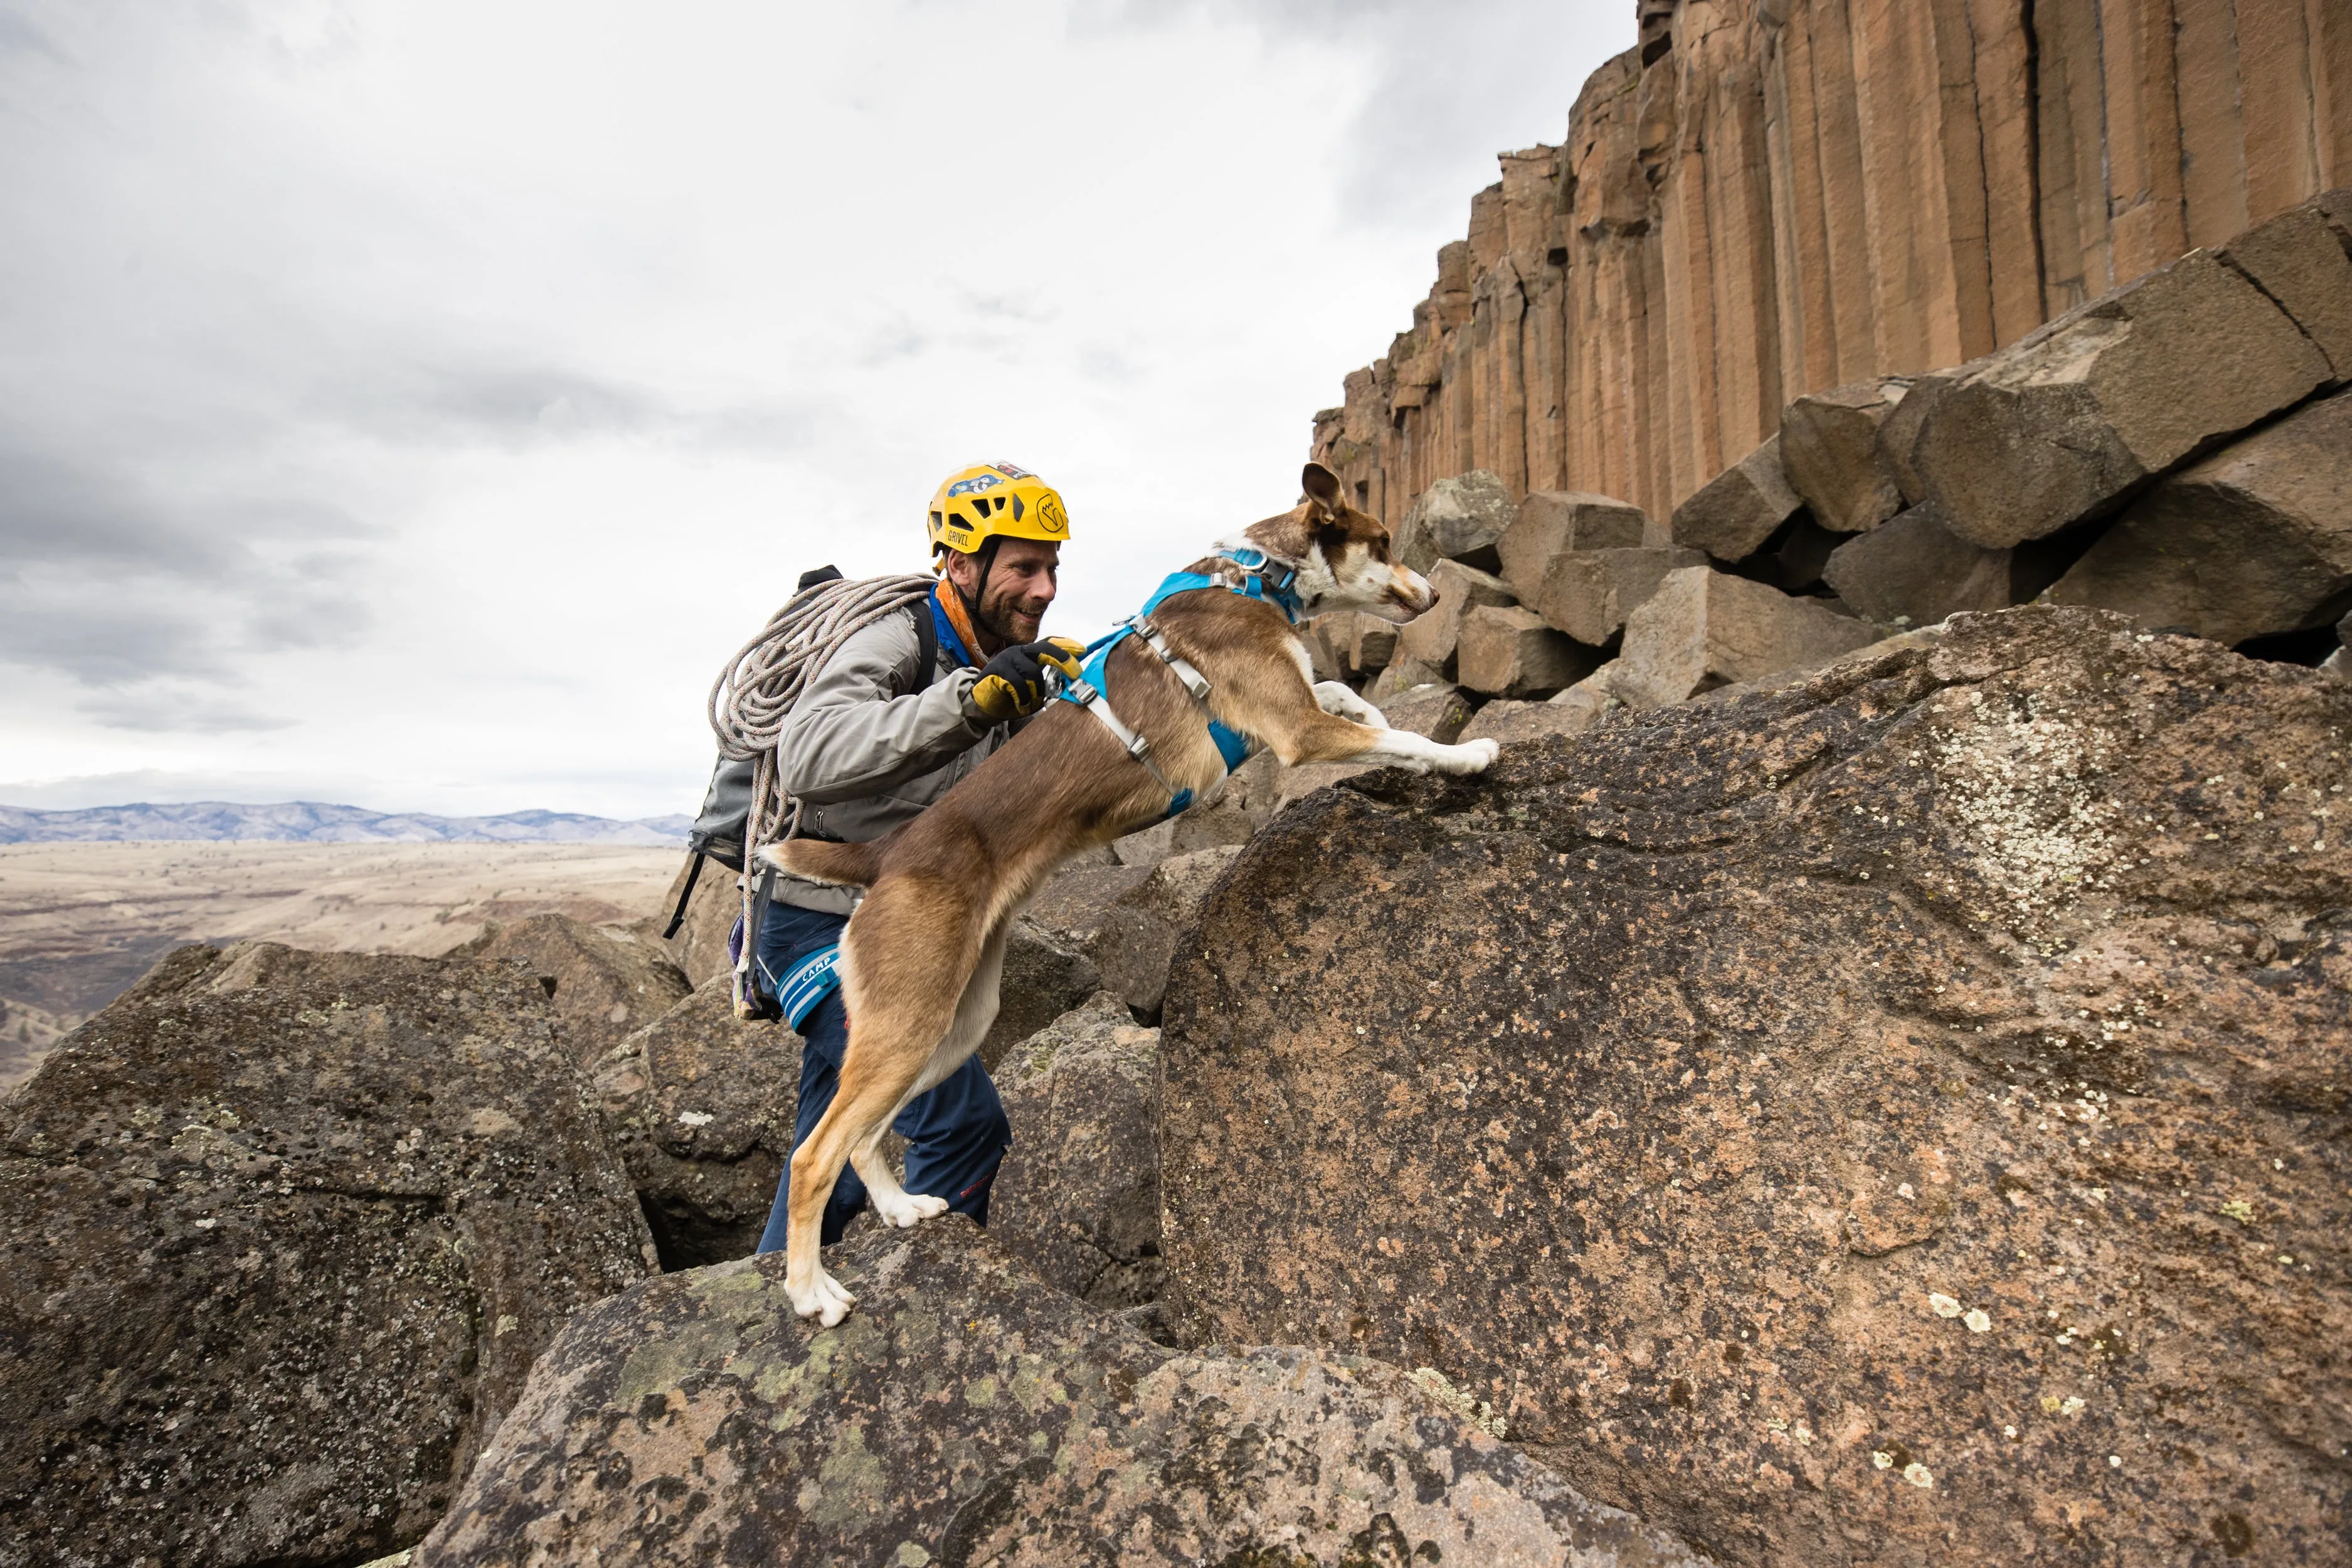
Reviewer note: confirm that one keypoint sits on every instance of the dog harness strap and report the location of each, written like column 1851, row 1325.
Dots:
column 1194, row 681
column 1089, row 696
column 808, row 982
column 1264, row 578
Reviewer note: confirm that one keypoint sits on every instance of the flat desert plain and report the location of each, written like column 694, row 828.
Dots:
column 78, row 922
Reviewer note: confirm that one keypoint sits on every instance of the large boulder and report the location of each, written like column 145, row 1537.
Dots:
column 1508, row 651
column 284, row 1233
column 2303, row 261
column 2064, row 424
column 605, row 981
column 1401, row 674
column 1069, row 908
column 700, row 1106
column 1460, row 519
column 1510, row 724
column 1591, row 593
column 1898, row 1119
column 1703, row 629
column 1732, row 515
column 1044, row 976
column 1078, row 1198
column 1435, row 709
column 1830, row 454
column 1913, row 570
column 1138, row 933
column 1552, row 523
column 1353, row 644
column 2254, row 540
column 1428, row 638
column 966, row 1413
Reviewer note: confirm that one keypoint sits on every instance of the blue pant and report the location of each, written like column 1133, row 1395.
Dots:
column 956, row 1132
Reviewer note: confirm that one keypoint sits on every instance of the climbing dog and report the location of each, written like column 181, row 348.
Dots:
column 922, row 956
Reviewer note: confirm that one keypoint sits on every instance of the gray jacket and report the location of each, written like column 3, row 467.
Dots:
column 863, row 751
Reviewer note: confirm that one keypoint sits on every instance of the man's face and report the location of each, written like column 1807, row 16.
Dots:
column 1021, row 584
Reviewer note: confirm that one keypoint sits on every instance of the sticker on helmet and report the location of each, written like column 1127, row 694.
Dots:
column 1010, row 472
column 977, row 482
column 1050, row 518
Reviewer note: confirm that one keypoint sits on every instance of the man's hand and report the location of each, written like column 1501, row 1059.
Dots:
column 1012, row 684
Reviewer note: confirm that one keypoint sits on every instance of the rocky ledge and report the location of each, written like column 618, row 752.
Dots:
column 969, row 1414
column 1903, row 1119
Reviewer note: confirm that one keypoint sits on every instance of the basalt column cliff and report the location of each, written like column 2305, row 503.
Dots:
column 1770, row 197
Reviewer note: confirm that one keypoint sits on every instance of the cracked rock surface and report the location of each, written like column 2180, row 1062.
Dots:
column 699, row 1105
column 1077, row 1198
column 967, row 1412
column 283, row 1233
column 1899, row 1118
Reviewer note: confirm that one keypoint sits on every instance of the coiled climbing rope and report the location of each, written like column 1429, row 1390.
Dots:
column 758, row 686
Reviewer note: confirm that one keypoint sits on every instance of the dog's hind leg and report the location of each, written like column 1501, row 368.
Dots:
column 975, row 1013
column 893, row 1030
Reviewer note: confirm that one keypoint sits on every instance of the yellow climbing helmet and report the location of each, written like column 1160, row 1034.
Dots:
column 996, row 500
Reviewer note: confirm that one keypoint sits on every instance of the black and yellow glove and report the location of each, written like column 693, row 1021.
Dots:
column 1012, row 684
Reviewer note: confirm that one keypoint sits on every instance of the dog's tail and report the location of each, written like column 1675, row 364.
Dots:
column 843, row 865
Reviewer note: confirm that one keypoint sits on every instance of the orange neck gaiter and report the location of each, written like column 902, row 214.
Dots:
column 951, row 603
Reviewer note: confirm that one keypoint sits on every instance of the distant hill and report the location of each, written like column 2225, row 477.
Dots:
column 309, row 822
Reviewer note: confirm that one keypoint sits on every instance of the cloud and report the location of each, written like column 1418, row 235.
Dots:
column 506, row 406
column 450, row 406
column 19, row 34
column 173, row 707
column 1453, row 82
column 112, row 585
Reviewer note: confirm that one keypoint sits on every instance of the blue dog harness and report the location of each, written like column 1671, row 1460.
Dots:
column 1264, row 578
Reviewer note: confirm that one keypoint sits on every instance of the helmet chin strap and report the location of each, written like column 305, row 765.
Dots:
column 984, row 559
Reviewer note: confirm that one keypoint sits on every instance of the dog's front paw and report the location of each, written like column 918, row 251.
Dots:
column 910, row 1209
column 822, row 1299
column 1472, row 756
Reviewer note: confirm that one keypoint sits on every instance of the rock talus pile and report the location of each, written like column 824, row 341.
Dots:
column 1900, row 1119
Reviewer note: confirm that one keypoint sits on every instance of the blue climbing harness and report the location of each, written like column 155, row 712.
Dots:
column 1264, row 578
column 808, row 982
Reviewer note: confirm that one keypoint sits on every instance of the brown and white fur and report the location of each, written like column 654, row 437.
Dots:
column 922, row 956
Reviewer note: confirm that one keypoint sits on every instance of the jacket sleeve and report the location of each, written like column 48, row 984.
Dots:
column 850, row 735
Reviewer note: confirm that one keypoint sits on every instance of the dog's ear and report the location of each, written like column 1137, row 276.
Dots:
column 1322, row 487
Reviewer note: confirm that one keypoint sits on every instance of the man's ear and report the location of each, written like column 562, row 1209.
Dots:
column 1322, row 487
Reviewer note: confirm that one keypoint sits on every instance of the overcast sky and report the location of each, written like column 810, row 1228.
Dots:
column 410, row 404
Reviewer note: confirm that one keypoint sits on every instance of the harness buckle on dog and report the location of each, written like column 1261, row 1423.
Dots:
column 1194, row 681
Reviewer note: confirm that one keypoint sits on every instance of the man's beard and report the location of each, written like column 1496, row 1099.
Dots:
column 996, row 616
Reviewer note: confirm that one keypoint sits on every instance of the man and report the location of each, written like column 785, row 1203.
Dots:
column 874, row 739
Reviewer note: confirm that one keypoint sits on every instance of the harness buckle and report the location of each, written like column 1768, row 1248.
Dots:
column 1194, row 681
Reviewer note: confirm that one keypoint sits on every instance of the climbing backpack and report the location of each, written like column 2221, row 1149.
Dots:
column 746, row 806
